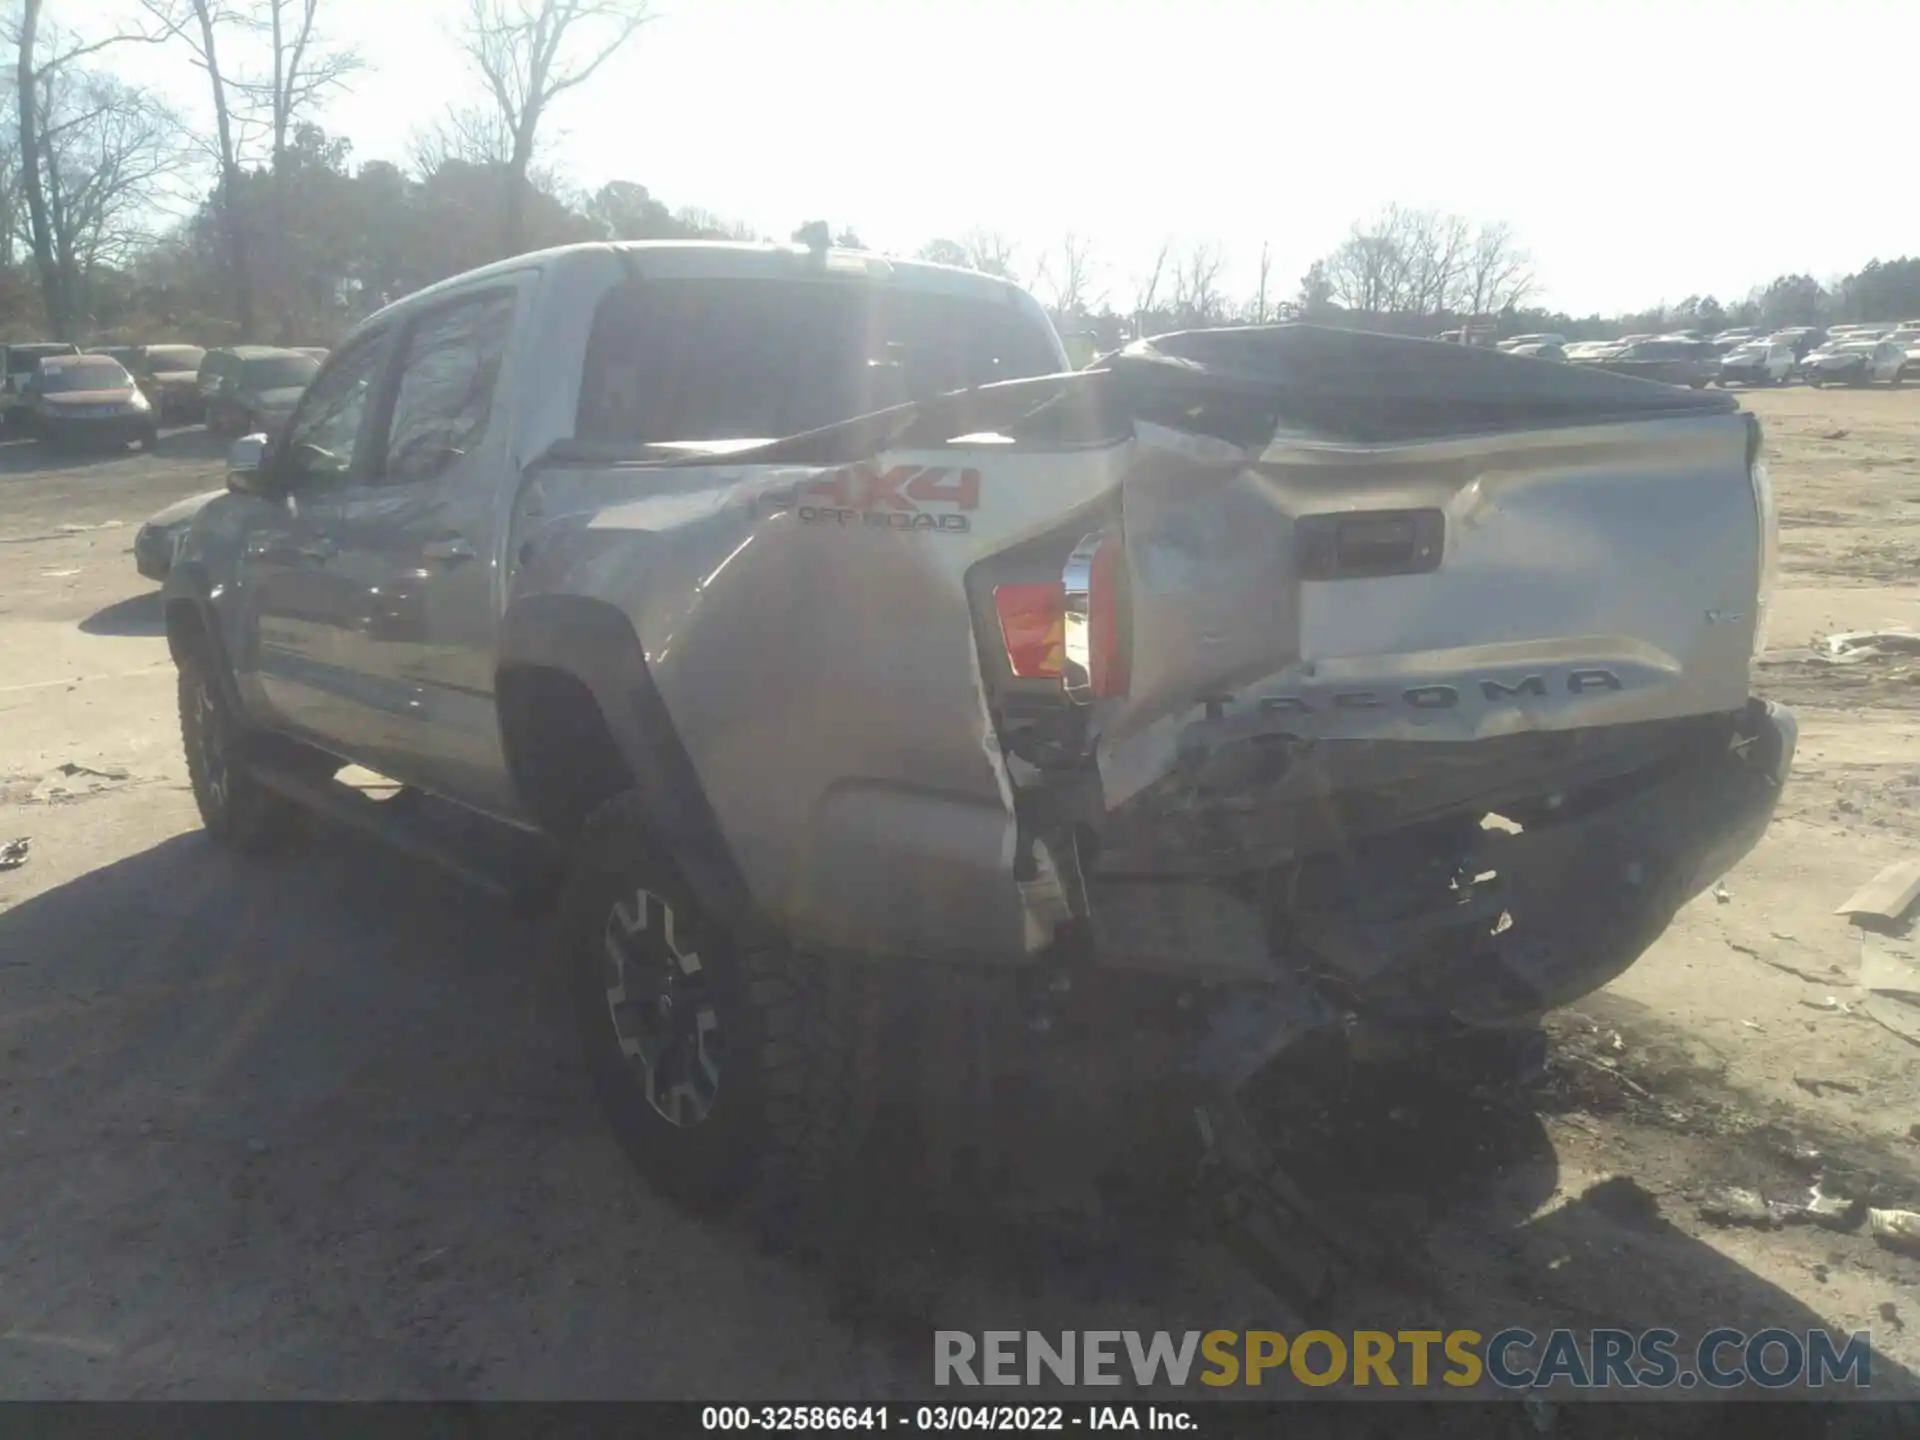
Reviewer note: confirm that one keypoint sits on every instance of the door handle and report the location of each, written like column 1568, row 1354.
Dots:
column 448, row 551
column 319, row 551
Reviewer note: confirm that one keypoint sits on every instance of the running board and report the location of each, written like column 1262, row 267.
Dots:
column 510, row 866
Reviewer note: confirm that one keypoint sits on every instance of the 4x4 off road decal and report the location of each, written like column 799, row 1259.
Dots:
column 932, row 498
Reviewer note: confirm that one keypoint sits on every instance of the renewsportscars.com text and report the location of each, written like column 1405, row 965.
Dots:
column 1513, row 1358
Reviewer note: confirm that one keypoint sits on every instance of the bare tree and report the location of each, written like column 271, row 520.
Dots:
column 1147, row 289
column 1437, row 246
column 1261, row 309
column 306, row 67
column 989, row 252
column 1196, row 286
column 1068, row 273
column 1372, row 270
column 107, row 149
column 470, row 134
column 32, row 74
column 1498, row 273
column 528, row 54
column 198, row 23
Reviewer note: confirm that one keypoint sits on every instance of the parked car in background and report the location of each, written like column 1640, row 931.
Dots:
column 1516, row 340
column 81, row 398
column 1669, row 361
column 168, row 375
column 20, row 361
column 155, row 541
column 1858, row 362
column 312, row 352
column 1801, row 337
column 1542, row 351
column 1591, row 349
column 125, row 354
column 258, row 389
column 1758, row 362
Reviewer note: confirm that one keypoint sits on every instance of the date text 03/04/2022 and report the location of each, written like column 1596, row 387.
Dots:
column 942, row 1418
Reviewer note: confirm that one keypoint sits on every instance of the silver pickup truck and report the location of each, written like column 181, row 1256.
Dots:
column 819, row 630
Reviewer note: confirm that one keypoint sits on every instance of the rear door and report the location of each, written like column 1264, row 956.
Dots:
column 416, row 563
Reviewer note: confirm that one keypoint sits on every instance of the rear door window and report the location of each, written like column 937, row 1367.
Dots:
column 447, row 379
column 760, row 359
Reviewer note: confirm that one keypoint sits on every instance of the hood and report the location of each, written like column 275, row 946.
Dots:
column 176, row 377
column 119, row 394
column 1841, row 357
column 1749, row 359
column 182, row 511
column 284, row 398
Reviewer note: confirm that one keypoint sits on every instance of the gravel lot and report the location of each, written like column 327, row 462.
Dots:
column 299, row 1129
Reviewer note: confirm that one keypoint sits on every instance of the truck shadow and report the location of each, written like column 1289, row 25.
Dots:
column 312, row 1115
column 141, row 615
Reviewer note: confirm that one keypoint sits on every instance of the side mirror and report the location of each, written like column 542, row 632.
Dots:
column 246, row 465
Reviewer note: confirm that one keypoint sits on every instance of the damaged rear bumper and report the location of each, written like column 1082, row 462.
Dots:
column 1540, row 917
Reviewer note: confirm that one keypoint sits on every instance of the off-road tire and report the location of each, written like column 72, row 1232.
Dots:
column 797, row 1048
column 238, row 812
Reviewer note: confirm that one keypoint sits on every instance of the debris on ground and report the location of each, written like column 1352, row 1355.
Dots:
column 1890, row 1313
column 1829, row 1212
column 1890, row 973
column 1854, row 646
column 1817, row 1085
column 1731, row 1205
column 1896, row 1230
column 1888, row 896
column 1829, row 1005
column 70, row 778
column 13, row 854
column 1782, row 965
column 1721, row 893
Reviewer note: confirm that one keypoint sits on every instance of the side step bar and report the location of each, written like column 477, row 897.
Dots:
column 515, row 869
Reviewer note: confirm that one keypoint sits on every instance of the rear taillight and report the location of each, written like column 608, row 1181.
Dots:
column 1033, row 625
column 1072, row 630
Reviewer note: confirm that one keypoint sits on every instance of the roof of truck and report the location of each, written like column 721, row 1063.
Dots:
column 736, row 260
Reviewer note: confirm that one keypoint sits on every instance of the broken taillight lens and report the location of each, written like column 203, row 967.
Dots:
column 1072, row 630
column 1033, row 625
column 1095, row 640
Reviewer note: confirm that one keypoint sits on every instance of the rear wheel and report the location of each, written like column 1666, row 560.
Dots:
column 734, row 1079
column 236, row 809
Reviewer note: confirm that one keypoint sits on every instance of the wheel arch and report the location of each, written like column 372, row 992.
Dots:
column 193, row 626
column 581, row 720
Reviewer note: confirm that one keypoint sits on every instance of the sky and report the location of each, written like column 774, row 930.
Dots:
column 1642, row 151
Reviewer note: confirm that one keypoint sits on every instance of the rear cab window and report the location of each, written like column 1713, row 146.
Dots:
column 735, row 359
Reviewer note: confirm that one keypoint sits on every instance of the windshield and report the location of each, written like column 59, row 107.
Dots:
column 96, row 372
column 278, row 372
column 174, row 357
column 722, row 360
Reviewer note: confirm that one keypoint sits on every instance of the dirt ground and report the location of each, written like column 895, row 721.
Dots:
column 296, row 1130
